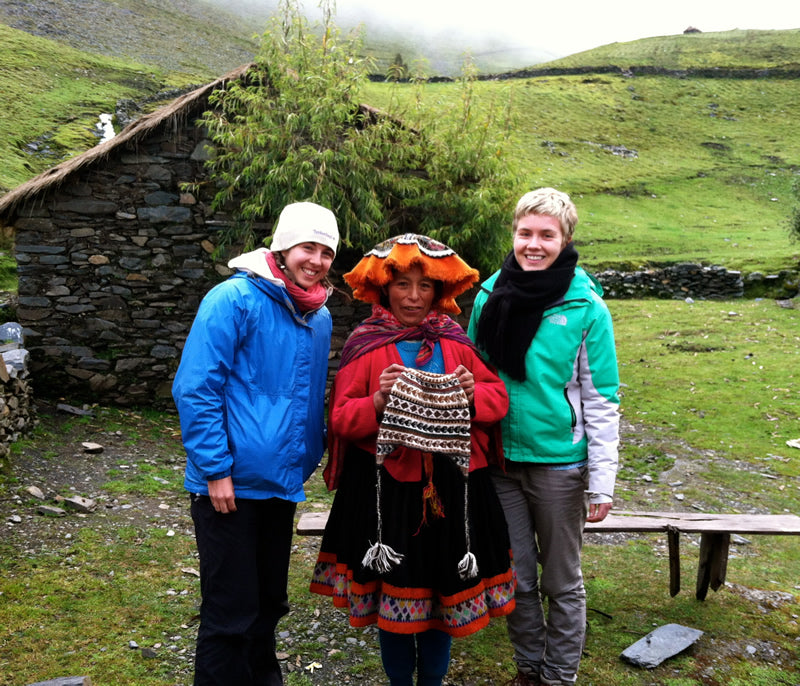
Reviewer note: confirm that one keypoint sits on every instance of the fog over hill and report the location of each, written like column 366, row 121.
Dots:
column 417, row 32
column 210, row 37
column 192, row 36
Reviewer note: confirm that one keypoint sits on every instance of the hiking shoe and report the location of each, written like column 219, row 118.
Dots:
column 523, row 679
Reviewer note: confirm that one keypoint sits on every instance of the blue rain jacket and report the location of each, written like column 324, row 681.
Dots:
column 250, row 390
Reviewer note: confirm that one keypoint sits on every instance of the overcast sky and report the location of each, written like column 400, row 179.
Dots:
column 564, row 27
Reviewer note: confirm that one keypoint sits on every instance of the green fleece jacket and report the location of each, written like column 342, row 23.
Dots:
column 567, row 408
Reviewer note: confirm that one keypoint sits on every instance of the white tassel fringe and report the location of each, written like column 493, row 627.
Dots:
column 468, row 567
column 381, row 557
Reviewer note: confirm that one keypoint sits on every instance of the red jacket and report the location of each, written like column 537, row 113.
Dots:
column 352, row 418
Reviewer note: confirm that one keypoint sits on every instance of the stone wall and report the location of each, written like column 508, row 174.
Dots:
column 17, row 415
column 698, row 282
column 112, row 266
column 678, row 281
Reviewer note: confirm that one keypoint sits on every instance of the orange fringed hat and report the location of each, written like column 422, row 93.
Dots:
column 401, row 253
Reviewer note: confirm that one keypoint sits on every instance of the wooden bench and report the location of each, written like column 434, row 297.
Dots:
column 715, row 536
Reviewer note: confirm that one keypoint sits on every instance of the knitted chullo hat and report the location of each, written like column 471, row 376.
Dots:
column 428, row 412
column 376, row 269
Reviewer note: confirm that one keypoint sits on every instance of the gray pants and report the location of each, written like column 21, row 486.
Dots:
column 545, row 510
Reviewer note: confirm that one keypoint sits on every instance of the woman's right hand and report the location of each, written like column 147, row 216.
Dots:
column 385, row 382
column 222, row 495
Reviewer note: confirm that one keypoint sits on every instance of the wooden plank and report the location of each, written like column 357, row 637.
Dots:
column 696, row 522
column 776, row 525
column 719, row 559
column 673, row 538
column 631, row 522
column 713, row 562
column 704, row 568
column 312, row 523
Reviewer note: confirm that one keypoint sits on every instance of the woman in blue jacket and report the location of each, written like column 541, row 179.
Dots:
column 542, row 322
column 250, row 393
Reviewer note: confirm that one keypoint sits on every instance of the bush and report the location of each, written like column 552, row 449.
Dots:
column 294, row 130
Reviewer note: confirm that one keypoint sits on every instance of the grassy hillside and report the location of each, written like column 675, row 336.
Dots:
column 733, row 49
column 196, row 38
column 64, row 62
column 52, row 97
column 664, row 169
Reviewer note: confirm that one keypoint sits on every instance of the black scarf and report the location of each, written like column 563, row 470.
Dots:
column 513, row 312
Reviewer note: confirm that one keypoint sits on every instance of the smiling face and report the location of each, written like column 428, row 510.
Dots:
column 538, row 241
column 308, row 263
column 411, row 295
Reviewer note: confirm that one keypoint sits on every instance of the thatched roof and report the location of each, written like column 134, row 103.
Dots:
column 131, row 133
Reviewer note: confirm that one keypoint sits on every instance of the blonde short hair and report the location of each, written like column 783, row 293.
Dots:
column 551, row 202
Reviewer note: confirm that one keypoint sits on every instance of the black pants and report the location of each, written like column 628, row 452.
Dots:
column 244, row 572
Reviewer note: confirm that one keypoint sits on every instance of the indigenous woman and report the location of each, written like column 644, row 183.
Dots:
column 416, row 540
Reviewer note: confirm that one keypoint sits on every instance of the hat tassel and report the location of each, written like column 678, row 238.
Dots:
column 379, row 556
column 468, row 567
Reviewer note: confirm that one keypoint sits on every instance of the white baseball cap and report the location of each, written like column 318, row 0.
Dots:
column 305, row 222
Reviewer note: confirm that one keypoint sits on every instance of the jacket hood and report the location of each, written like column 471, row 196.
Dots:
column 255, row 262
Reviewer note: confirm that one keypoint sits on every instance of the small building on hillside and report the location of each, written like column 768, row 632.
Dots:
column 114, row 257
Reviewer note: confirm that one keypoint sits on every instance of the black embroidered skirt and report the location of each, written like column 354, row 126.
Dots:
column 424, row 590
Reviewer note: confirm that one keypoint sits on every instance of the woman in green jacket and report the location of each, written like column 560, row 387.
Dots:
column 542, row 322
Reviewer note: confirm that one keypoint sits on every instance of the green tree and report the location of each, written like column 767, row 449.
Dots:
column 397, row 69
column 294, row 130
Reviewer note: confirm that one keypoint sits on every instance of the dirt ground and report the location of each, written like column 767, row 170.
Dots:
column 60, row 463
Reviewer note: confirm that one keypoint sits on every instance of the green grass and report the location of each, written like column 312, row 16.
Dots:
column 148, row 479
column 53, row 95
column 739, row 48
column 711, row 180
column 76, row 612
column 8, row 264
column 195, row 38
column 718, row 374
column 53, row 91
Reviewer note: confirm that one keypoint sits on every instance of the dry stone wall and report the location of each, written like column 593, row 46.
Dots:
column 678, row 281
column 699, row 282
column 112, row 266
column 17, row 414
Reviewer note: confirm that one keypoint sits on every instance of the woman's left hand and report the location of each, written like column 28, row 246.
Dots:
column 467, row 381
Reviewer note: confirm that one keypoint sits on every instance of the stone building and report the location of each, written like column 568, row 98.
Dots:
column 114, row 257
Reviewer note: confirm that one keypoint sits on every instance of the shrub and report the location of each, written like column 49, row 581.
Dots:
column 294, row 130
